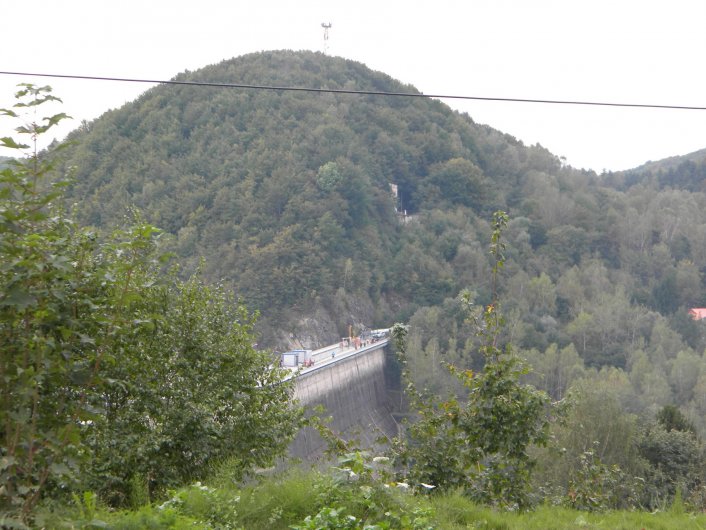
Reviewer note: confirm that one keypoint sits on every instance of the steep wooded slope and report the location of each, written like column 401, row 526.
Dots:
column 287, row 194
column 287, row 197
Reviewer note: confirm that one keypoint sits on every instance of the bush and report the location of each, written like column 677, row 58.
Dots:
column 114, row 373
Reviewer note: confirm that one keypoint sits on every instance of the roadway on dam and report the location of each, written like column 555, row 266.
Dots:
column 359, row 388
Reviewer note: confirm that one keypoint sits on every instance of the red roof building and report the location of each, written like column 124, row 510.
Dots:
column 697, row 313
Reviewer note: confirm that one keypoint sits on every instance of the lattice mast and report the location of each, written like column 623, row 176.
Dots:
column 326, row 26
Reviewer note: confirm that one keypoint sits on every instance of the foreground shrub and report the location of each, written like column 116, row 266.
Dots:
column 115, row 375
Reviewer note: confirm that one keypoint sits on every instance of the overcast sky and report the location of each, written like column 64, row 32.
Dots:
column 633, row 51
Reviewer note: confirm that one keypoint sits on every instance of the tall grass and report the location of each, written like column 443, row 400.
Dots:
column 281, row 502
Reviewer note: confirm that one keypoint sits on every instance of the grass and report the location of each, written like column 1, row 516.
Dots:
column 278, row 502
column 454, row 512
column 284, row 501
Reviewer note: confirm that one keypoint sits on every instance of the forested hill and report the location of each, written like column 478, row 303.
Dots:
column 687, row 172
column 287, row 197
column 287, row 194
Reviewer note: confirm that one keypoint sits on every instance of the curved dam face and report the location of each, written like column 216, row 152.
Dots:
column 361, row 393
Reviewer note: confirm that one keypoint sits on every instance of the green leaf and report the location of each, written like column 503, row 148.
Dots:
column 80, row 376
column 59, row 468
column 53, row 120
column 11, row 144
column 18, row 298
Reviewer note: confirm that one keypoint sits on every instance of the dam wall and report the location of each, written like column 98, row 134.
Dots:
column 362, row 395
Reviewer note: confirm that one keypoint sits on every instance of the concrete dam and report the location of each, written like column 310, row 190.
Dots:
column 359, row 387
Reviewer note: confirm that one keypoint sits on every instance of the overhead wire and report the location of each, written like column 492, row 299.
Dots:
column 358, row 92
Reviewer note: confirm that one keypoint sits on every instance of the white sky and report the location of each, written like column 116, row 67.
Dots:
column 637, row 51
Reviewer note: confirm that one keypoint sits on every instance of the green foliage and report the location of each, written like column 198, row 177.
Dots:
column 592, row 462
column 602, row 457
column 595, row 486
column 115, row 374
column 208, row 395
column 359, row 495
column 151, row 520
column 279, row 501
column 354, row 494
column 52, row 307
column 595, row 422
column 288, row 197
column 294, row 500
column 479, row 444
column 457, row 180
column 328, row 177
column 281, row 192
column 671, row 418
column 676, row 459
column 554, row 370
column 330, row 518
column 286, row 188
column 211, row 507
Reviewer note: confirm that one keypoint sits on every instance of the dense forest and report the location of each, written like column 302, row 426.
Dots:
column 287, row 194
column 286, row 200
column 287, row 197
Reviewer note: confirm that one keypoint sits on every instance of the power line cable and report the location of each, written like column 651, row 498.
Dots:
column 358, row 92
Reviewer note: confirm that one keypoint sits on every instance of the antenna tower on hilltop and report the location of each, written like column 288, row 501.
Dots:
column 326, row 26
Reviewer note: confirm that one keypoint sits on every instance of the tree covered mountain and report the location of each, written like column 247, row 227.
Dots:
column 287, row 194
column 686, row 172
column 287, row 197
column 593, row 285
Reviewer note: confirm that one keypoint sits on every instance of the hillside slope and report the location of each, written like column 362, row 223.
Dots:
column 686, row 172
column 287, row 194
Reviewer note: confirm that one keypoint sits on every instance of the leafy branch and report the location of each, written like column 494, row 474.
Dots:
column 480, row 443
